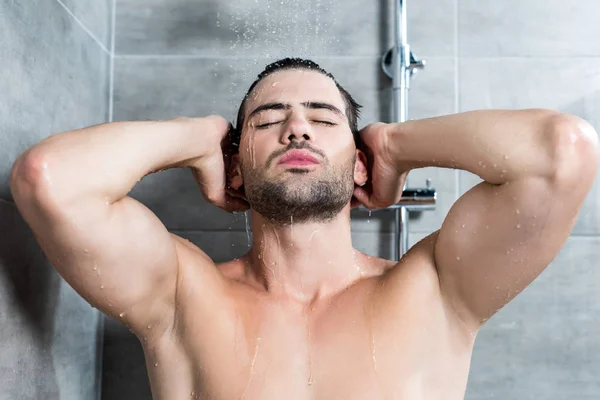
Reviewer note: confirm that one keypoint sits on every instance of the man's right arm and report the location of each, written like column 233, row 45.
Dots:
column 71, row 189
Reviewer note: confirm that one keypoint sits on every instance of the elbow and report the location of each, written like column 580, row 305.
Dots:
column 28, row 171
column 575, row 149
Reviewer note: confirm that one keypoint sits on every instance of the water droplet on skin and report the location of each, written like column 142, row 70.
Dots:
column 148, row 327
column 156, row 364
column 463, row 225
column 121, row 315
column 518, row 226
column 85, row 250
column 505, row 157
column 518, row 212
column 101, row 287
column 95, row 268
column 457, row 258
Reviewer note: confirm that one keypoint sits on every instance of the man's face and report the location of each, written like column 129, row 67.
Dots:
column 298, row 111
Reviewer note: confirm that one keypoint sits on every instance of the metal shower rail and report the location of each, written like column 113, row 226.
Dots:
column 400, row 65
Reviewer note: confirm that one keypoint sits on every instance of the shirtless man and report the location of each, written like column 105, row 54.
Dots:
column 303, row 315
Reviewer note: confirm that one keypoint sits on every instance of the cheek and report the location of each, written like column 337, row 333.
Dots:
column 253, row 153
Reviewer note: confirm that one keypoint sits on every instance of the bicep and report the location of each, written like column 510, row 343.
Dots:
column 497, row 239
column 119, row 257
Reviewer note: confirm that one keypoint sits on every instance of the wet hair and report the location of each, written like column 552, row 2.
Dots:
column 352, row 107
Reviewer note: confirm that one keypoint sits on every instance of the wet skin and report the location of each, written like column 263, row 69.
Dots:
column 388, row 335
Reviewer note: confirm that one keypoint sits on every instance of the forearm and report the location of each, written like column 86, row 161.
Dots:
column 107, row 160
column 497, row 145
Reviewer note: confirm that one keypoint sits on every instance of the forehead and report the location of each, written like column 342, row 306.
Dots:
column 295, row 86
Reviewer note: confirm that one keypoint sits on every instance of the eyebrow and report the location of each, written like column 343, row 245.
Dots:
column 286, row 106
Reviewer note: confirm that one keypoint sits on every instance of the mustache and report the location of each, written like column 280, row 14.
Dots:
column 294, row 146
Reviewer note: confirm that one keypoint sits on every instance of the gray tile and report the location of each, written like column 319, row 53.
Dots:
column 200, row 86
column 175, row 197
column 382, row 244
column 154, row 88
column 567, row 85
column 48, row 333
column 174, row 87
column 444, row 182
column 374, row 244
column 432, row 90
column 431, row 95
column 124, row 373
column 220, row 246
column 55, row 84
column 248, row 28
column 467, row 180
column 431, row 27
column 96, row 16
column 416, row 237
column 529, row 28
column 545, row 344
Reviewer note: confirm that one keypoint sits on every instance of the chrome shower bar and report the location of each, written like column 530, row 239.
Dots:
column 400, row 65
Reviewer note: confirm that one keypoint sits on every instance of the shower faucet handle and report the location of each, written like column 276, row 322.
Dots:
column 415, row 64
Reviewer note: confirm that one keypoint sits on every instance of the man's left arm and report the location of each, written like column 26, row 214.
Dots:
column 537, row 166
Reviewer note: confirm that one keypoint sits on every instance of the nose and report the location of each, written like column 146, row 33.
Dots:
column 296, row 129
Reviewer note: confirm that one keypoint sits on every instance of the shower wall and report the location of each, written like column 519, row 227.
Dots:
column 55, row 63
column 194, row 58
column 198, row 57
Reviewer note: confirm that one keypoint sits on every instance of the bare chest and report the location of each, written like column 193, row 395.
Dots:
column 349, row 348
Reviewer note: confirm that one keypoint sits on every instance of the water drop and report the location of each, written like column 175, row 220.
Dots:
column 121, row 315
column 463, row 225
column 457, row 258
column 156, row 364
column 101, row 287
column 518, row 226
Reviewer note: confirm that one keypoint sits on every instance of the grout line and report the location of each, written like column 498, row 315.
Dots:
column 456, row 89
column 232, row 57
column 100, row 325
column 7, row 201
column 425, row 56
column 84, row 27
column 111, row 83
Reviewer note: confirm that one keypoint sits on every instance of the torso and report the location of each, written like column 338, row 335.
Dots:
column 377, row 339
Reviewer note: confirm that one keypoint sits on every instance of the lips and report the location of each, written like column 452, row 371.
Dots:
column 298, row 157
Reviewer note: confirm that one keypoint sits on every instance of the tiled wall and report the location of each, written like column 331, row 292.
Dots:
column 194, row 58
column 54, row 77
column 197, row 57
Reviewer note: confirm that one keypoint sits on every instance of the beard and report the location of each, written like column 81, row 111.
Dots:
column 297, row 197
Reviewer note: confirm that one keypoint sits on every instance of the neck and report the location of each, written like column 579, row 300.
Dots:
column 304, row 261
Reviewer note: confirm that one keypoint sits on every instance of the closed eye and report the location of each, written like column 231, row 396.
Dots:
column 262, row 126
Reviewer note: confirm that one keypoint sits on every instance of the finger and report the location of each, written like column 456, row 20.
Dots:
column 362, row 196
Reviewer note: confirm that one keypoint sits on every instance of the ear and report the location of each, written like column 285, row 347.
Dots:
column 361, row 174
column 235, row 178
